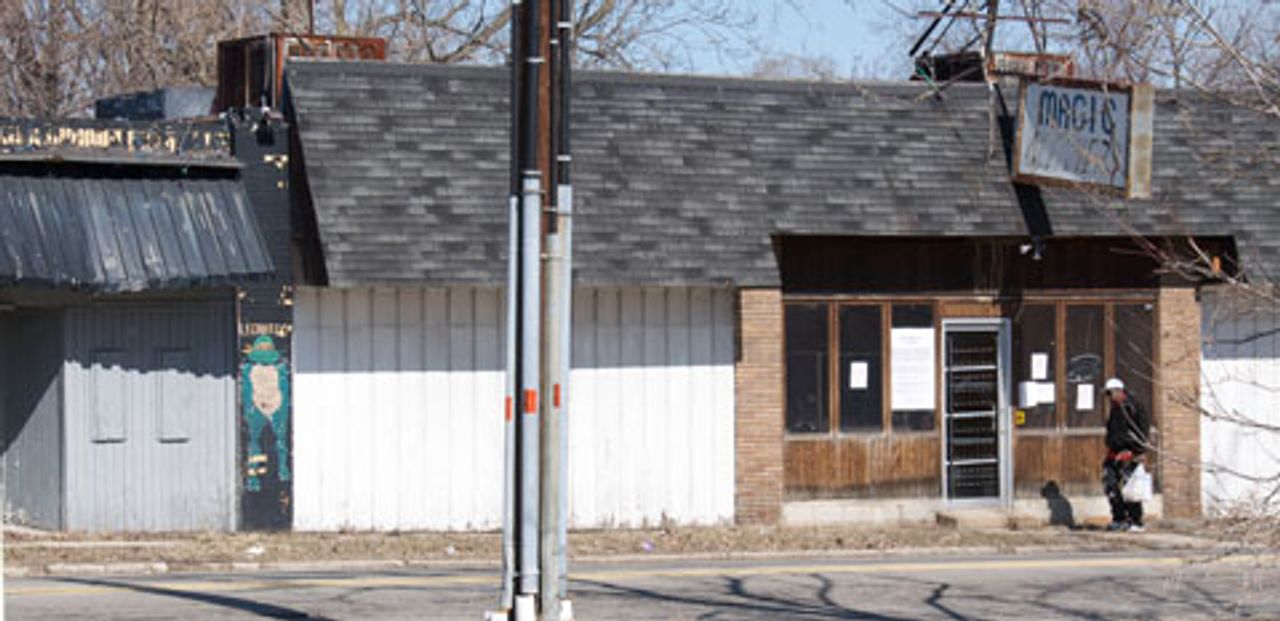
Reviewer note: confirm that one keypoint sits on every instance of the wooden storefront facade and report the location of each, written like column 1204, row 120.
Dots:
column 876, row 379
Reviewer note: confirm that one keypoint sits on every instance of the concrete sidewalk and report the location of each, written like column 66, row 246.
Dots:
column 35, row 553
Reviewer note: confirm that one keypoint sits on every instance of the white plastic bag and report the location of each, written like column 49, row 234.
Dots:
column 1137, row 488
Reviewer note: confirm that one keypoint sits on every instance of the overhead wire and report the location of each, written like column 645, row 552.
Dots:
column 943, row 35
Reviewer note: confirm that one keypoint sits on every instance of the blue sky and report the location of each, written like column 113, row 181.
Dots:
column 862, row 38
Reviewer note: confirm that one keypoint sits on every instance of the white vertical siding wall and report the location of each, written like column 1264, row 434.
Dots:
column 1240, row 379
column 398, row 408
column 651, row 427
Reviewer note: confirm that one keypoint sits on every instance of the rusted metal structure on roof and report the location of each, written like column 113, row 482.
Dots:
column 251, row 70
column 1031, row 65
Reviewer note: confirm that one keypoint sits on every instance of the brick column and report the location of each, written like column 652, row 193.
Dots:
column 758, row 397
column 1178, row 400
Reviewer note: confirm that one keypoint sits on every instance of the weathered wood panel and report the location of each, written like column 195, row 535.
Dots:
column 1073, row 463
column 1037, row 460
column 968, row 309
column 817, row 264
column 809, row 468
column 873, row 466
column 1082, row 457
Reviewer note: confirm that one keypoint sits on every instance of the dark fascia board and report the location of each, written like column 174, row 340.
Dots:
column 56, row 157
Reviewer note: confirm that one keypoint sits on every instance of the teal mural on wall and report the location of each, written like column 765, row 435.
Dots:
column 265, row 386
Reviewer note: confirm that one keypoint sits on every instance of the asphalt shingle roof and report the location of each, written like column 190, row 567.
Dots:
column 682, row 180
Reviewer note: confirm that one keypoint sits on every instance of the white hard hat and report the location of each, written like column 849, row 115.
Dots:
column 1114, row 384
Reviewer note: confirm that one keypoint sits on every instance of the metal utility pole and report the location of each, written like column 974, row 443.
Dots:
column 557, row 328
column 534, row 568
column 4, row 475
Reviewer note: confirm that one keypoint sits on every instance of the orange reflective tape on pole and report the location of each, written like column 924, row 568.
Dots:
column 530, row 402
column 556, row 401
column 508, row 408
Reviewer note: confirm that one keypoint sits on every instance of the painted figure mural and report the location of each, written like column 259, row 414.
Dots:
column 265, row 384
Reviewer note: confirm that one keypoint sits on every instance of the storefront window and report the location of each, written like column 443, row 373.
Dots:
column 1134, row 345
column 912, row 379
column 1085, row 333
column 1035, row 351
column 806, row 343
column 861, row 369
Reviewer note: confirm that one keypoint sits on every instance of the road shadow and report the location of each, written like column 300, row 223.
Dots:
column 736, row 599
column 261, row 609
column 819, row 596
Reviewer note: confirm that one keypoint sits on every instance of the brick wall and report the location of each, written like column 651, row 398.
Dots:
column 1177, row 399
column 758, row 389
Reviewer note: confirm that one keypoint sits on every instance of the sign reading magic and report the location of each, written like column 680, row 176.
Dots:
column 73, row 139
column 1085, row 133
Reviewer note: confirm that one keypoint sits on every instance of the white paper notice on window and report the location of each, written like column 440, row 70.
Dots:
column 1031, row 394
column 1044, row 393
column 1039, row 366
column 1084, row 396
column 857, row 375
column 912, row 368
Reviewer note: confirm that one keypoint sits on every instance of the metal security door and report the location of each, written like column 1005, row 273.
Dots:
column 150, row 416
column 976, row 454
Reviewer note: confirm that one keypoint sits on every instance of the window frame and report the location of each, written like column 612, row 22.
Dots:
column 1058, row 300
column 1063, row 398
column 786, row 379
column 886, row 305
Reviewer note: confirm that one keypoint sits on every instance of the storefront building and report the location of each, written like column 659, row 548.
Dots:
column 121, row 247
column 795, row 301
column 965, row 371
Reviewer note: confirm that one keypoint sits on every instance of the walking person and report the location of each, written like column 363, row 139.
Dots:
column 1128, row 429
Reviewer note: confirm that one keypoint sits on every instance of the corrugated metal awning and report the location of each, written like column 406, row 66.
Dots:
column 118, row 229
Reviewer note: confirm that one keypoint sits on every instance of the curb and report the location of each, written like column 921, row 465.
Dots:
column 99, row 569
column 371, row 565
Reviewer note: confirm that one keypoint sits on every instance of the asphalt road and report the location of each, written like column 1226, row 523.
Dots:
column 1087, row 587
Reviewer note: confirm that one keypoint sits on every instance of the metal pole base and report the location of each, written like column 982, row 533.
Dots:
column 566, row 610
column 525, row 609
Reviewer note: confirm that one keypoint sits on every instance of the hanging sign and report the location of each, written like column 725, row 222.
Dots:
column 1085, row 133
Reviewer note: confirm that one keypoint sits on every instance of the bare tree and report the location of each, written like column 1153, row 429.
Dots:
column 622, row 34
column 57, row 56
column 60, row 55
column 1222, row 52
column 31, row 56
column 1224, row 48
column 1218, row 52
column 794, row 66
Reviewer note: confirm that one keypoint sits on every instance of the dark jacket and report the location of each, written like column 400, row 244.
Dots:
column 1128, row 427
